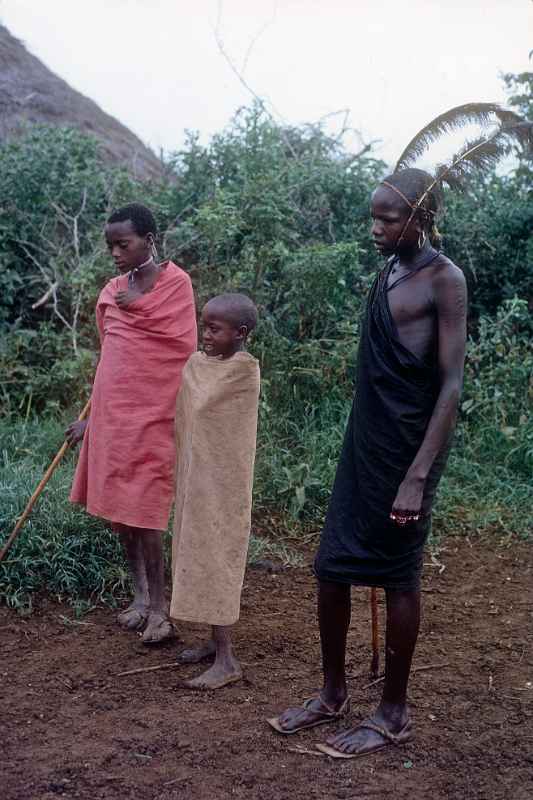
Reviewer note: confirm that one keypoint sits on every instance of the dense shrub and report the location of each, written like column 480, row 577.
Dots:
column 55, row 193
column 489, row 233
column 282, row 214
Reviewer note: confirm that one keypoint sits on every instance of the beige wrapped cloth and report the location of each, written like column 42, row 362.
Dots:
column 216, row 427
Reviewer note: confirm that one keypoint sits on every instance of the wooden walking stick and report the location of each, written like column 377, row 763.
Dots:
column 374, row 667
column 46, row 477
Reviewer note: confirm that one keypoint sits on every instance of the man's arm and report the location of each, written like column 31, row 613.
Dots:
column 450, row 302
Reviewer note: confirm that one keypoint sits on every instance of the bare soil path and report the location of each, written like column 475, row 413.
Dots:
column 72, row 729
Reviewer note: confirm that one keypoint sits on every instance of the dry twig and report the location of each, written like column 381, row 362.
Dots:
column 305, row 751
column 415, row 669
column 374, row 666
column 44, row 480
column 147, row 669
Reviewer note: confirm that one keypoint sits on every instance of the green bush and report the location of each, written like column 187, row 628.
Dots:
column 55, row 194
column 489, row 233
column 498, row 393
column 281, row 213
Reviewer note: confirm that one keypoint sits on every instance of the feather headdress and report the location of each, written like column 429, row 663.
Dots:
column 506, row 131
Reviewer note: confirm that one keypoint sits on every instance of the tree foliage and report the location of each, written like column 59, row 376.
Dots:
column 280, row 213
column 56, row 190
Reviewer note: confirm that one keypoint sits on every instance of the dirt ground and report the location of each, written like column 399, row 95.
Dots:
column 73, row 729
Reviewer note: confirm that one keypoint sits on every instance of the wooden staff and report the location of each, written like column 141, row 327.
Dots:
column 374, row 667
column 46, row 477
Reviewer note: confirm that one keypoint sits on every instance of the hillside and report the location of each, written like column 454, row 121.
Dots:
column 31, row 93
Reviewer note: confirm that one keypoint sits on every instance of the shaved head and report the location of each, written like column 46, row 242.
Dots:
column 237, row 309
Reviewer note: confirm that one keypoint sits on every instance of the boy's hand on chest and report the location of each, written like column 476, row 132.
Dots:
column 125, row 297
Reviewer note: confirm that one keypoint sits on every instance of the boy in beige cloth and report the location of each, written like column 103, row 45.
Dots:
column 216, row 426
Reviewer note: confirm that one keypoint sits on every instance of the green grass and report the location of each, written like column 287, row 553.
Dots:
column 486, row 487
column 62, row 550
column 73, row 557
column 481, row 493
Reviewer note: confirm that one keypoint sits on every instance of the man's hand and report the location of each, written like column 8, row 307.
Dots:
column 75, row 431
column 124, row 297
column 408, row 501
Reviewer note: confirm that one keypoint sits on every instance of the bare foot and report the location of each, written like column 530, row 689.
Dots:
column 193, row 655
column 215, row 677
column 158, row 628
column 133, row 617
column 315, row 711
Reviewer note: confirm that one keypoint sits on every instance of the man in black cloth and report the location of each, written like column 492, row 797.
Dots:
column 409, row 377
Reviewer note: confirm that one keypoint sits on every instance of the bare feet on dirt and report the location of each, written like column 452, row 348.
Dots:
column 133, row 617
column 158, row 628
column 194, row 655
column 220, row 674
column 471, row 742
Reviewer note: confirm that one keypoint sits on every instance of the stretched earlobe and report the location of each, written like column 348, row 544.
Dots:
column 151, row 243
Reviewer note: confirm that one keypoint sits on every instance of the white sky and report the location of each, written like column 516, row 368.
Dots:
column 155, row 64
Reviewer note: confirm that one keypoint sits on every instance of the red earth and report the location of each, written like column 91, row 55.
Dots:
column 73, row 728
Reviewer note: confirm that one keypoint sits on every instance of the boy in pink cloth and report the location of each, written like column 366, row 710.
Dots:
column 125, row 474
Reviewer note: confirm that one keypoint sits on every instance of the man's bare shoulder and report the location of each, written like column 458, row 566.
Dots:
column 449, row 290
column 447, row 276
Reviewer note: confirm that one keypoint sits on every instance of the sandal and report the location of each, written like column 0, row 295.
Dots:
column 402, row 737
column 325, row 714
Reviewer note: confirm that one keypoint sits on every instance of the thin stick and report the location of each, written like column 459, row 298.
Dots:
column 304, row 751
column 46, row 477
column 415, row 669
column 147, row 669
column 374, row 667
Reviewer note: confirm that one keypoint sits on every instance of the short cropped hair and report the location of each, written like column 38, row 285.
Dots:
column 140, row 216
column 236, row 308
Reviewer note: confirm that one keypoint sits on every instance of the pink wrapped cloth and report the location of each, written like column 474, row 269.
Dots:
column 125, row 471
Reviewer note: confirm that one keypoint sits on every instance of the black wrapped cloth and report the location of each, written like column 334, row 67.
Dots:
column 395, row 397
